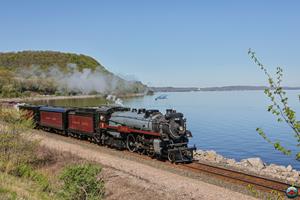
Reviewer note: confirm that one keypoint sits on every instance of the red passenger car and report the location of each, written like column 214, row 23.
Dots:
column 55, row 118
column 82, row 121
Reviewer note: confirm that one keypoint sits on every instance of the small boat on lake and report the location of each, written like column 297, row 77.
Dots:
column 163, row 96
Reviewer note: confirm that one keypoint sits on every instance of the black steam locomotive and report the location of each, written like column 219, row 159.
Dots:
column 150, row 132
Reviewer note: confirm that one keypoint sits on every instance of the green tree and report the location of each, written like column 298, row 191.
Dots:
column 279, row 106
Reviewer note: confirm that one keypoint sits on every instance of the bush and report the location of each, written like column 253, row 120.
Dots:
column 82, row 182
column 14, row 149
column 14, row 120
column 7, row 194
column 93, row 92
column 26, row 171
column 17, row 153
column 10, row 91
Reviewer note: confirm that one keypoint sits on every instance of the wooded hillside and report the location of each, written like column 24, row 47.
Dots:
column 29, row 73
column 46, row 59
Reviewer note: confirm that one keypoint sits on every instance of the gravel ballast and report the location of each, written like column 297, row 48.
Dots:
column 127, row 179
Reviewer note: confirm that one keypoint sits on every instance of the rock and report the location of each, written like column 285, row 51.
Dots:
column 286, row 174
column 256, row 163
column 280, row 168
column 280, row 176
column 243, row 164
column 277, row 168
column 219, row 158
column 210, row 158
column 272, row 165
column 269, row 170
column 210, row 155
column 199, row 152
column 239, row 165
column 289, row 168
column 230, row 162
column 291, row 180
column 295, row 175
column 253, row 169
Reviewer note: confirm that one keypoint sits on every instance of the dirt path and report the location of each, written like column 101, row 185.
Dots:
column 126, row 179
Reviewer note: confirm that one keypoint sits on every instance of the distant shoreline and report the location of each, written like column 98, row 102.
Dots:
column 52, row 97
column 208, row 89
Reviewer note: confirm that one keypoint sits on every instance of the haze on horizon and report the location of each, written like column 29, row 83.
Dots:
column 164, row 43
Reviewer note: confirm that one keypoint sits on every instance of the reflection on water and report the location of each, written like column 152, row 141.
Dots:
column 221, row 121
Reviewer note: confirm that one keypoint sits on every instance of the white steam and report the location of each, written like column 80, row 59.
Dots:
column 86, row 81
column 115, row 99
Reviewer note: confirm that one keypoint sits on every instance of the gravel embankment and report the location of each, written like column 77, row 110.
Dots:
column 128, row 179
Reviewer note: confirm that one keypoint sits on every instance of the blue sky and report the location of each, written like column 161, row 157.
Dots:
column 162, row 43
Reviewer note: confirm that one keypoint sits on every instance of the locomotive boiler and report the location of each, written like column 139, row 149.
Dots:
column 165, row 136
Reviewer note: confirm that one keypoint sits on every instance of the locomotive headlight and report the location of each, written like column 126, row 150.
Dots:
column 181, row 128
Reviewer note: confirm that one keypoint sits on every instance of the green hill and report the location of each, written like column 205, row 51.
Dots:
column 46, row 59
column 48, row 72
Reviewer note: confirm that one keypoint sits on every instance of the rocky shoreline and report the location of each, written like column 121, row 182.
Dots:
column 253, row 166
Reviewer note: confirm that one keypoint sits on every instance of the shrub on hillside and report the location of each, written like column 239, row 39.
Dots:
column 14, row 149
column 26, row 171
column 82, row 182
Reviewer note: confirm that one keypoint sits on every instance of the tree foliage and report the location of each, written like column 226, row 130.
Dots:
column 31, row 72
column 46, row 59
column 279, row 106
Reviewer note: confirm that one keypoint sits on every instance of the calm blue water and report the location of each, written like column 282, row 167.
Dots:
column 226, row 122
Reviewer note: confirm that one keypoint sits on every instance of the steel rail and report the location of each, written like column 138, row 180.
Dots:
column 249, row 179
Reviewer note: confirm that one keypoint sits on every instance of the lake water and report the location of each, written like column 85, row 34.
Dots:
column 226, row 122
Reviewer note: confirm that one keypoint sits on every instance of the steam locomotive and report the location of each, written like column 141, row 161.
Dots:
column 149, row 132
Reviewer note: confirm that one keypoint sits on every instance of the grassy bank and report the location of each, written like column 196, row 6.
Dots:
column 63, row 176
column 31, row 171
column 12, row 187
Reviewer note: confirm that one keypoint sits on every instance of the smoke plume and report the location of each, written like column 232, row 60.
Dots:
column 85, row 81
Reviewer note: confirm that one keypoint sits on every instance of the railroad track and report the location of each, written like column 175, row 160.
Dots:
column 258, row 182
column 236, row 177
column 228, row 175
column 233, row 176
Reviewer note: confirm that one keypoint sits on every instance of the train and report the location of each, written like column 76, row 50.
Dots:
column 149, row 132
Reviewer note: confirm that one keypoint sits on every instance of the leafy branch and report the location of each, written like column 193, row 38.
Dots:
column 279, row 105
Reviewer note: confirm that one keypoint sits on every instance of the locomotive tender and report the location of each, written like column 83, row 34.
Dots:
column 150, row 132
